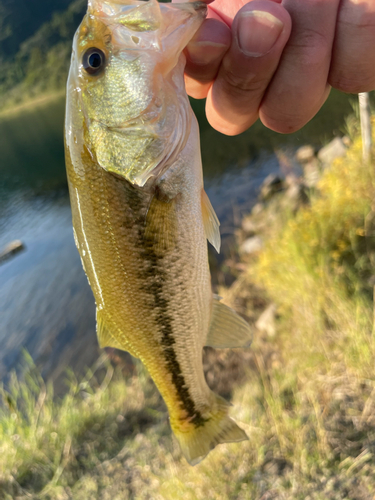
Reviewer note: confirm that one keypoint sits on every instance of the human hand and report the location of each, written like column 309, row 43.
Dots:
column 292, row 52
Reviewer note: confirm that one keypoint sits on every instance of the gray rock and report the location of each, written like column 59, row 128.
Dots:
column 311, row 173
column 266, row 321
column 257, row 209
column 296, row 195
column 251, row 245
column 335, row 149
column 304, row 154
column 252, row 225
column 272, row 184
column 248, row 226
column 11, row 249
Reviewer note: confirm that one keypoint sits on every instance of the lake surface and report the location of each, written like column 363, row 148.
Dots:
column 46, row 305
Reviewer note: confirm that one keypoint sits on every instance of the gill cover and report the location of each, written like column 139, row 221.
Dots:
column 134, row 112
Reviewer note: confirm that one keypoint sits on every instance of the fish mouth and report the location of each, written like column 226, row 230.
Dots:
column 123, row 11
column 198, row 6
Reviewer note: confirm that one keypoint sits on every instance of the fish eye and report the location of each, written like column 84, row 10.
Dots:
column 93, row 61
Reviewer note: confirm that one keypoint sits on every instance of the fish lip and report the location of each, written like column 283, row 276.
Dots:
column 200, row 6
column 197, row 6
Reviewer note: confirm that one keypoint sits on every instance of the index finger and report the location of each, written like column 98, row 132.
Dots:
column 260, row 31
column 227, row 10
column 206, row 51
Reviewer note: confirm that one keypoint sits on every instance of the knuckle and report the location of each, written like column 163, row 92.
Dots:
column 240, row 86
column 351, row 85
column 360, row 19
column 311, row 37
column 312, row 4
column 309, row 48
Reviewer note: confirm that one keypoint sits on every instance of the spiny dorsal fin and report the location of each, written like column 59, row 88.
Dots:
column 227, row 328
column 211, row 222
column 161, row 226
column 105, row 338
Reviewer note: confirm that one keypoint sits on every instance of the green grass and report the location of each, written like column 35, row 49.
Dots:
column 306, row 397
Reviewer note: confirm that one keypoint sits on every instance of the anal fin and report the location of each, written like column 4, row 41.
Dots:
column 105, row 337
column 211, row 222
column 227, row 328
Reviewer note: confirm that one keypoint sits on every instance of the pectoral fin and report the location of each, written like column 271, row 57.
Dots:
column 105, row 338
column 211, row 222
column 227, row 328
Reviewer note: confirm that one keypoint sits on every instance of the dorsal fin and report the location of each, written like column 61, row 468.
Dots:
column 211, row 222
column 227, row 328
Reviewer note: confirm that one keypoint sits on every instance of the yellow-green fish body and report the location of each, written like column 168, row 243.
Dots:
column 140, row 214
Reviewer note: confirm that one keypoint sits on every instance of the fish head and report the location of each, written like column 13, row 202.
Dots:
column 125, row 89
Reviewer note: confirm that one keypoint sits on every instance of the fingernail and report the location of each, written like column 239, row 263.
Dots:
column 205, row 52
column 257, row 32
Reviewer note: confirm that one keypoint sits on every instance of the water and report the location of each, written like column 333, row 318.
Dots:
column 46, row 305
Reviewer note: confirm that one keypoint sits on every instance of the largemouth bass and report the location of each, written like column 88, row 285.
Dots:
column 141, row 217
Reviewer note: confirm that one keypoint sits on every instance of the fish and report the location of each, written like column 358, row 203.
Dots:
column 141, row 217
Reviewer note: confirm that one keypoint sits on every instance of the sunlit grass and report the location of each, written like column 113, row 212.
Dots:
column 308, row 405
column 45, row 443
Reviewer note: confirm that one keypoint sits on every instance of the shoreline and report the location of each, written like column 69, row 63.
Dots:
column 30, row 104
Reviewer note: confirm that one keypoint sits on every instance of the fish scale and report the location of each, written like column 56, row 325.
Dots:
column 140, row 215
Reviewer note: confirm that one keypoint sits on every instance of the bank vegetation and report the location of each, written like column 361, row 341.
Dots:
column 304, row 392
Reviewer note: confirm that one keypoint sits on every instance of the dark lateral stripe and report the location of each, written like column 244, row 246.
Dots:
column 154, row 277
column 164, row 322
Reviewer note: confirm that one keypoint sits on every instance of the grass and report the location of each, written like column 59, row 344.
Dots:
column 306, row 396
column 31, row 104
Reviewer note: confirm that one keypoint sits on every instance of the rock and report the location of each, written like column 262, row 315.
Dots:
column 311, row 173
column 251, row 245
column 248, row 226
column 295, row 196
column 11, row 249
column 251, row 225
column 334, row 149
column 266, row 321
column 305, row 154
column 257, row 209
column 272, row 184
column 291, row 180
column 276, row 466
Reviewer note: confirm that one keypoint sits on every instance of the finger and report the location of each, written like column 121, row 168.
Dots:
column 352, row 68
column 260, row 31
column 300, row 87
column 227, row 10
column 204, row 54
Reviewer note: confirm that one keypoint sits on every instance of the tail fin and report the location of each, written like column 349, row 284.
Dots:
column 218, row 428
